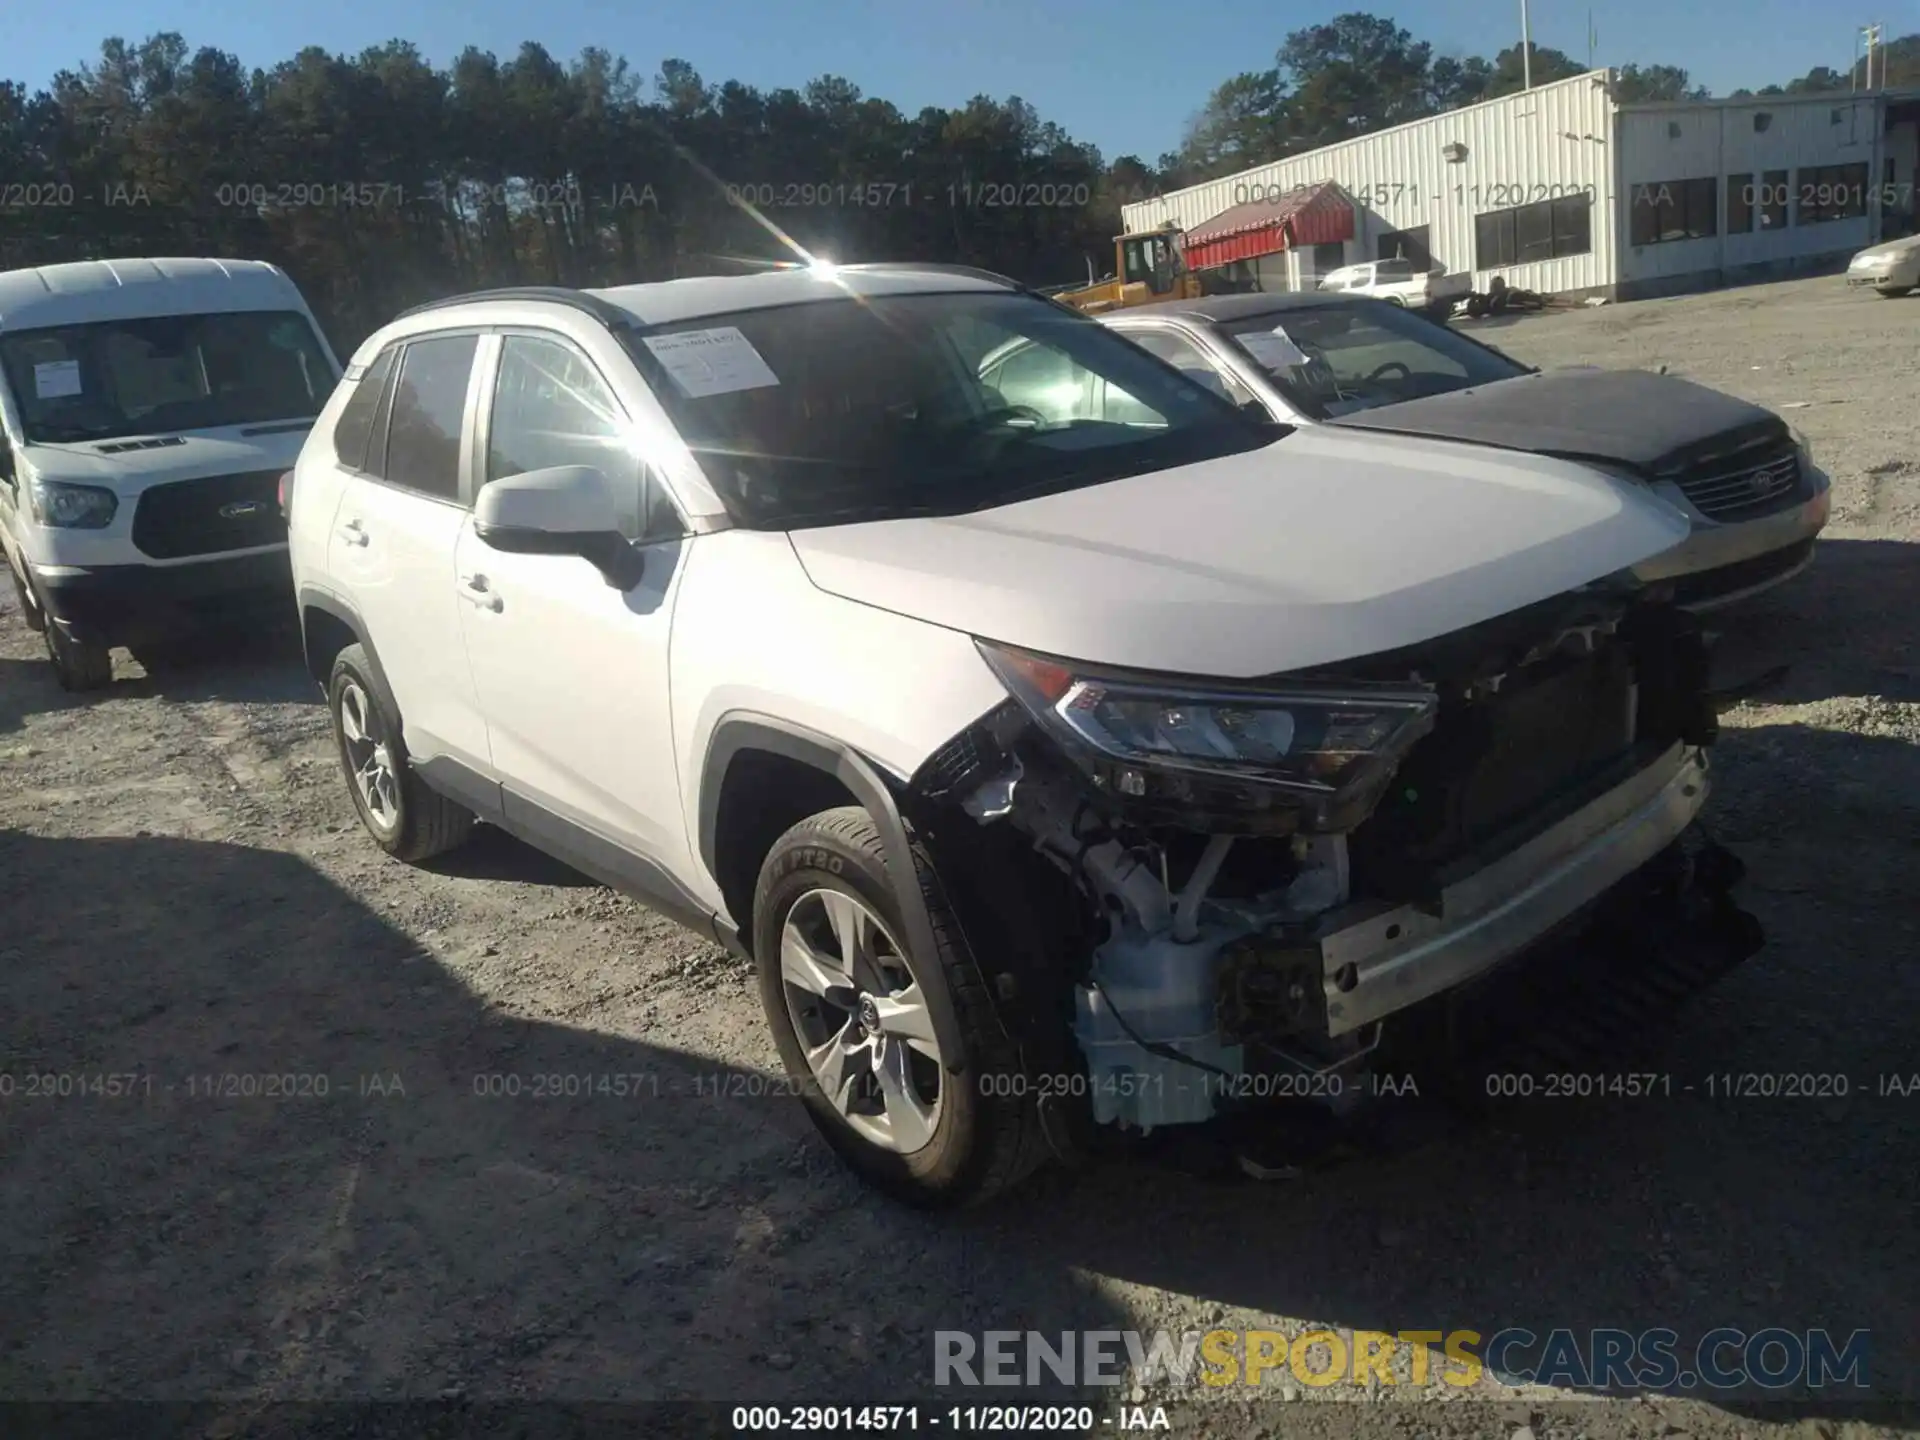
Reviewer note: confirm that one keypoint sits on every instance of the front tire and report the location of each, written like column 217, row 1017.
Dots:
column 406, row 819
column 1894, row 292
column 849, row 1011
column 78, row 664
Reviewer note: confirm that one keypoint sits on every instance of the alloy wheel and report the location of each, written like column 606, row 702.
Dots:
column 862, row 1020
column 368, row 756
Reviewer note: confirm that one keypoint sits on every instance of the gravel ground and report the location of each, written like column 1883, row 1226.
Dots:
column 188, row 898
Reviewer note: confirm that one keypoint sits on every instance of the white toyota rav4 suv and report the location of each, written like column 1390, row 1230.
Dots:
column 1064, row 780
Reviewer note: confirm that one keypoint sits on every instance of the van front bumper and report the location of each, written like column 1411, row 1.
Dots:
column 1387, row 958
column 126, row 604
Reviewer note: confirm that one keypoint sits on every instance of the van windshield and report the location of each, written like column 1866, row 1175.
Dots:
column 876, row 407
column 117, row 378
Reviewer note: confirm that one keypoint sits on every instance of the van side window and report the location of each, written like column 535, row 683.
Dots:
column 550, row 407
column 355, row 427
column 429, row 401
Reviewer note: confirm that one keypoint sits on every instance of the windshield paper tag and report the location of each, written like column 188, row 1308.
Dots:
column 712, row 362
column 56, row 379
column 1275, row 350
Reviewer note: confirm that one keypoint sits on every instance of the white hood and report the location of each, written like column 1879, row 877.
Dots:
column 208, row 452
column 1324, row 546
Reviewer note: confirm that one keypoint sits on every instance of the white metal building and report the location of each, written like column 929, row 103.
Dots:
column 1562, row 189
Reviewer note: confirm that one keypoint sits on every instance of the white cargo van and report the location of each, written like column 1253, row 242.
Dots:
column 148, row 410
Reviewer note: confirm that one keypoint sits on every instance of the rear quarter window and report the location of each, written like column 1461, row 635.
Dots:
column 354, row 428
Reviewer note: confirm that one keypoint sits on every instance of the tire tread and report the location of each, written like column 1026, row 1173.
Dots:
column 1011, row 1128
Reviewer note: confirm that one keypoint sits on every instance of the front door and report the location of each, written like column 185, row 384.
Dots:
column 572, row 673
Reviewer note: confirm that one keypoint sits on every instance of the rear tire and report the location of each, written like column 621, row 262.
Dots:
column 407, row 819
column 961, row 1141
column 78, row 664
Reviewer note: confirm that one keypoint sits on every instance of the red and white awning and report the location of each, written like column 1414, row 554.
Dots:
column 1312, row 215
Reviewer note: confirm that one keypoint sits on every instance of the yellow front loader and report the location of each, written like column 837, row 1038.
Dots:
column 1147, row 266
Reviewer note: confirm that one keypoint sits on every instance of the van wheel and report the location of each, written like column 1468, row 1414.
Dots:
column 78, row 664
column 29, row 611
column 849, row 1011
column 406, row 819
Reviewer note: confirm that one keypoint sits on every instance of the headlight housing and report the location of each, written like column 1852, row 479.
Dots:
column 1257, row 758
column 1803, row 445
column 71, row 507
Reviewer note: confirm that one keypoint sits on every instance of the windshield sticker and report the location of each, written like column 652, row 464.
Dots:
column 56, row 379
column 712, row 362
column 1274, row 349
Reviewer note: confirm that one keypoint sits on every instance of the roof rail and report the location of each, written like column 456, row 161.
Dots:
column 607, row 314
column 971, row 271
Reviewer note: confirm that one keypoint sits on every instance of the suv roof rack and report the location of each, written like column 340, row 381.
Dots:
column 606, row 313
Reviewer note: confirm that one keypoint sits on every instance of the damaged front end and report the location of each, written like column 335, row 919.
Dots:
column 1200, row 895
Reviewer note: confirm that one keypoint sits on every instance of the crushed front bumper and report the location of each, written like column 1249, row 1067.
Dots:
column 1377, row 959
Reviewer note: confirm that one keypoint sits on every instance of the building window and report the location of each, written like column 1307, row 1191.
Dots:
column 1772, row 200
column 1830, row 192
column 1408, row 245
column 1669, row 210
column 1545, row 230
column 1740, row 203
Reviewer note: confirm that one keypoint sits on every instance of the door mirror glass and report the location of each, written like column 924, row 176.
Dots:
column 561, row 510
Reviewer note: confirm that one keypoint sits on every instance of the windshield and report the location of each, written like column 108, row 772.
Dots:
column 877, row 407
column 117, row 378
column 1334, row 359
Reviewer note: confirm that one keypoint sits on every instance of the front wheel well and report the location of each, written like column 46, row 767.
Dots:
column 762, row 796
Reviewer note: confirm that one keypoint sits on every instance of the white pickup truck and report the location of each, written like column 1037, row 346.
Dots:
column 1399, row 283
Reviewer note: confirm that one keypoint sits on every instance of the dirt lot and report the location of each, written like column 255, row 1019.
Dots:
column 187, row 897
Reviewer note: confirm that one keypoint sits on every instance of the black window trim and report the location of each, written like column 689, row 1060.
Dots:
column 1508, row 220
column 1745, row 196
column 476, row 458
column 348, row 377
column 462, row 492
column 1684, row 189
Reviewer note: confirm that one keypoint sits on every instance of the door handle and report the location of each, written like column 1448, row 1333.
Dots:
column 475, row 591
column 353, row 534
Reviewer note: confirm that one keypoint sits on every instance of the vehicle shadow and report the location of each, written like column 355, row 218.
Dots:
column 259, row 1145
column 493, row 854
column 254, row 663
column 1834, row 625
column 1689, row 1209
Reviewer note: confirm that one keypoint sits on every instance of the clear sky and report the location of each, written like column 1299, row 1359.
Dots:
column 1122, row 74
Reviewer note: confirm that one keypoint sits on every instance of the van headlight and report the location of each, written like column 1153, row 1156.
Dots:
column 1294, row 756
column 1803, row 446
column 71, row 507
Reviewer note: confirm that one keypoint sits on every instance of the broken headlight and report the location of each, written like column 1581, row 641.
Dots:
column 1305, row 756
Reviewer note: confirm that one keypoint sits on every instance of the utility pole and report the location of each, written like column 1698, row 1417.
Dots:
column 1872, row 35
column 1526, row 48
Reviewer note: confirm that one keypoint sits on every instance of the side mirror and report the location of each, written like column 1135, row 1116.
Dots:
column 6, row 458
column 562, row 510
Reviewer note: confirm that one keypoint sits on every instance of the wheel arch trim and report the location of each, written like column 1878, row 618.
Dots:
column 312, row 597
column 740, row 730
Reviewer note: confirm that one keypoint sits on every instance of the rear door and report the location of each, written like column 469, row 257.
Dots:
column 572, row 673
column 392, row 546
